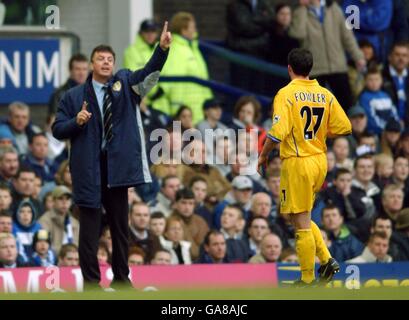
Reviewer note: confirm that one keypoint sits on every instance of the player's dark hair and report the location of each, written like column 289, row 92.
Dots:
column 102, row 48
column 301, row 61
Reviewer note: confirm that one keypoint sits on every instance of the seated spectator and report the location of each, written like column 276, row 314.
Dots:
column 375, row 251
column 247, row 113
column 270, row 250
column 281, row 42
column 390, row 137
column 43, row 255
column 232, row 222
column 59, row 221
column 215, row 250
column 344, row 245
column 157, row 223
column 20, row 127
column 5, row 197
column 392, row 201
column 273, row 188
column 384, row 224
column 198, row 185
column 9, row 164
column 136, row 257
column 288, row 255
column 194, row 226
column 383, row 170
column 209, row 126
column 78, row 72
column 341, row 152
column 396, row 79
column 24, row 190
column 25, row 225
column 378, row 105
column 8, row 252
column 166, row 196
column 185, row 59
column 103, row 255
column 370, row 141
column 68, row 256
column 258, row 228
column 261, row 206
column 161, row 257
column 184, row 115
column 174, row 243
column 400, row 238
column 139, row 233
column 359, row 123
column 240, row 195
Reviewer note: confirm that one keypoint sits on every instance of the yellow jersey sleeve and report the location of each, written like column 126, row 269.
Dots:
column 338, row 123
column 281, row 122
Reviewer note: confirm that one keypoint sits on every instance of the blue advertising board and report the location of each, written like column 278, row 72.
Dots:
column 365, row 274
column 30, row 69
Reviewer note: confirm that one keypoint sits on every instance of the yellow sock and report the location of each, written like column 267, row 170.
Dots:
column 321, row 248
column 305, row 247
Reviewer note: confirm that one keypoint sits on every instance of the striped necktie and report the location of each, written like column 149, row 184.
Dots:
column 107, row 115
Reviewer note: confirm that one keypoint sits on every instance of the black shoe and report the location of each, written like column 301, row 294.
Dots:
column 302, row 284
column 327, row 271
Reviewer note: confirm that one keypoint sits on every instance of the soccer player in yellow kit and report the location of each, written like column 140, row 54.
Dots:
column 304, row 115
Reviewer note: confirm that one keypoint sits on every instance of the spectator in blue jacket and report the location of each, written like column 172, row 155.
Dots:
column 375, row 18
column 378, row 105
column 344, row 245
column 43, row 255
column 25, row 225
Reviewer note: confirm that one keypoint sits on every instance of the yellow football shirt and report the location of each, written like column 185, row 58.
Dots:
column 304, row 114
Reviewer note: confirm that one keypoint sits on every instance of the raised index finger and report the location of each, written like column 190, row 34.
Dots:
column 165, row 27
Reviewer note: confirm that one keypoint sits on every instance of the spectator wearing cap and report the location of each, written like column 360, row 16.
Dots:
column 19, row 124
column 37, row 158
column 377, row 103
column 184, row 60
column 9, row 257
column 43, row 255
column 240, row 195
column 400, row 237
column 390, row 137
column 63, row 227
column 396, row 79
column 139, row 52
column 359, row 123
column 194, row 226
column 209, row 126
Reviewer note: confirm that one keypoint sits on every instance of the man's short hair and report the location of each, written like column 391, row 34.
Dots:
column 390, row 188
column 330, row 207
column 167, row 178
column 66, row 248
column 102, row 48
column 137, row 203
column 5, row 150
column 160, row 250
column 24, row 169
column 136, row 250
column 378, row 234
column 6, row 213
column 157, row 215
column 185, row 193
column 197, row 179
column 235, row 207
column 257, row 218
column 400, row 44
column 79, row 57
column 364, row 156
column 210, row 233
column 4, row 186
column 379, row 217
column 35, row 135
column 18, row 105
column 301, row 61
column 339, row 172
column 5, row 236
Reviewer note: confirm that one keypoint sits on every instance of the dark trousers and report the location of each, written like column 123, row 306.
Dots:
column 338, row 83
column 115, row 202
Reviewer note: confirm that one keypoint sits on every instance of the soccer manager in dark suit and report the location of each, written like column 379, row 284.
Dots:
column 101, row 119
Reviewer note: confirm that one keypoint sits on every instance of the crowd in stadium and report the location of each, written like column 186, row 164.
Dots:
column 209, row 212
